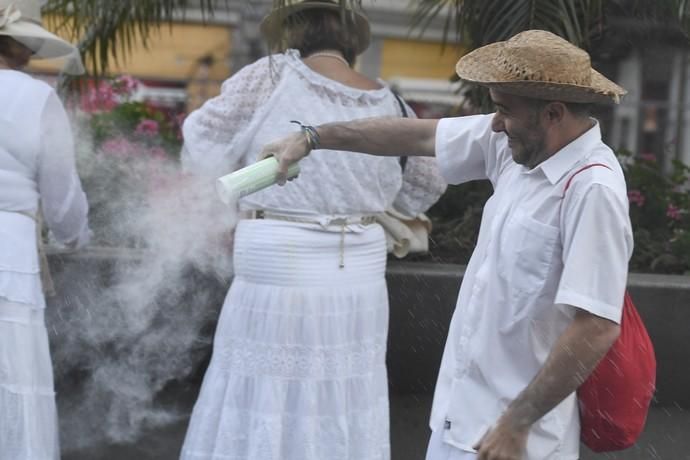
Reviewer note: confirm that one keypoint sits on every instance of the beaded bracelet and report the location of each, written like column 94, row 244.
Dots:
column 313, row 139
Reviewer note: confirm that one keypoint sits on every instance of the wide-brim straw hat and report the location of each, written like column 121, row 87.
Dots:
column 272, row 24
column 540, row 65
column 21, row 20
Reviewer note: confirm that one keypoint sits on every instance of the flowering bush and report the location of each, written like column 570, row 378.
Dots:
column 127, row 151
column 659, row 211
column 660, row 214
column 115, row 118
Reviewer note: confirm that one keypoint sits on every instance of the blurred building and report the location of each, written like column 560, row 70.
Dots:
column 654, row 117
column 185, row 63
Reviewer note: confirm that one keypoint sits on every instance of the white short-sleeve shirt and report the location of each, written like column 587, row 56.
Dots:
column 540, row 252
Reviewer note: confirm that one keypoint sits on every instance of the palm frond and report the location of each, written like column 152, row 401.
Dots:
column 479, row 22
column 107, row 29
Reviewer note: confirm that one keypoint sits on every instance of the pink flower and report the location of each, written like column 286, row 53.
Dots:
column 673, row 212
column 636, row 197
column 98, row 99
column 158, row 152
column 147, row 127
column 649, row 157
column 119, row 147
column 125, row 85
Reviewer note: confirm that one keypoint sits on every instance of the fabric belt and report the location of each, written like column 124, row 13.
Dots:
column 324, row 222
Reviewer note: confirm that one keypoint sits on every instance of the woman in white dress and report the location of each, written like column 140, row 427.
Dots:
column 298, row 369
column 36, row 164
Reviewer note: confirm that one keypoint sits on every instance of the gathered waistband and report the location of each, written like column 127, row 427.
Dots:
column 343, row 223
column 288, row 253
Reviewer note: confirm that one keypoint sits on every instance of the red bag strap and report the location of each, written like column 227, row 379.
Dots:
column 570, row 179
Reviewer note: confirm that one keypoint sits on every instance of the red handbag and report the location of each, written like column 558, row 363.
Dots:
column 615, row 398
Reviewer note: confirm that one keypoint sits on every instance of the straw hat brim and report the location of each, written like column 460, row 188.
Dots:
column 480, row 67
column 272, row 24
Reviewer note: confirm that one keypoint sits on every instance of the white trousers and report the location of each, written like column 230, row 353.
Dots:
column 439, row 450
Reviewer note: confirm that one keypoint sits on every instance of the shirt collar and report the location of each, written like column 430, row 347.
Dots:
column 565, row 159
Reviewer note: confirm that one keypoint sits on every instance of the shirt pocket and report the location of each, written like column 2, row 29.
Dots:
column 528, row 250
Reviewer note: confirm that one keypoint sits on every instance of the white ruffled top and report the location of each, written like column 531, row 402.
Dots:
column 36, row 163
column 255, row 107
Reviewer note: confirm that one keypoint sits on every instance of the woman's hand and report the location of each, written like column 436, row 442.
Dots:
column 287, row 151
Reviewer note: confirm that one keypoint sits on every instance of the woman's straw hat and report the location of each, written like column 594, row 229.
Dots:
column 272, row 24
column 21, row 20
column 540, row 65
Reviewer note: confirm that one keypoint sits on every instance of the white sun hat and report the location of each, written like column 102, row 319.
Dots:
column 21, row 20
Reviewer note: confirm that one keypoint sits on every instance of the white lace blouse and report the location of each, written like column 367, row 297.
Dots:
column 255, row 107
column 36, row 163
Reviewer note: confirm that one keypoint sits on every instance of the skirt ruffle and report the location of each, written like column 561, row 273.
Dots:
column 28, row 417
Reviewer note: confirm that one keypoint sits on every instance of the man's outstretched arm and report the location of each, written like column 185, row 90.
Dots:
column 375, row 136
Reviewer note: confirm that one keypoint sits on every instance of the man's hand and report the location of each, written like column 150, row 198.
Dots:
column 573, row 357
column 505, row 441
column 287, row 151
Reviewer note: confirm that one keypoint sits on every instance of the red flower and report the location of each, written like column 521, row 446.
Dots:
column 636, row 197
column 648, row 157
column 99, row 98
column 148, row 127
column 119, row 147
column 673, row 212
column 125, row 85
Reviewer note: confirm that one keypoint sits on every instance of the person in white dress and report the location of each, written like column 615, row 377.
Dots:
column 36, row 165
column 298, row 368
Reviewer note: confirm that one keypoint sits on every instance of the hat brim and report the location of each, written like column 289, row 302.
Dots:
column 50, row 46
column 272, row 25
column 480, row 67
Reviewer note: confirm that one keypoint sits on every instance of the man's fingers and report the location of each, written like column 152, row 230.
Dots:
column 281, row 175
column 265, row 153
column 478, row 446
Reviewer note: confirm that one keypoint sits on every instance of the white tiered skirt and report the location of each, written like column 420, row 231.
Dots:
column 28, row 418
column 298, row 369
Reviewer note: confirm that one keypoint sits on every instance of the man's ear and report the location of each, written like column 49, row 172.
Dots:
column 554, row 112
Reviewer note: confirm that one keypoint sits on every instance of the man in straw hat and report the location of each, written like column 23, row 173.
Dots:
column 541, row 299
column 36, row 165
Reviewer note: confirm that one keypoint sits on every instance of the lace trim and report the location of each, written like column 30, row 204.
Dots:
column 248, row 357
